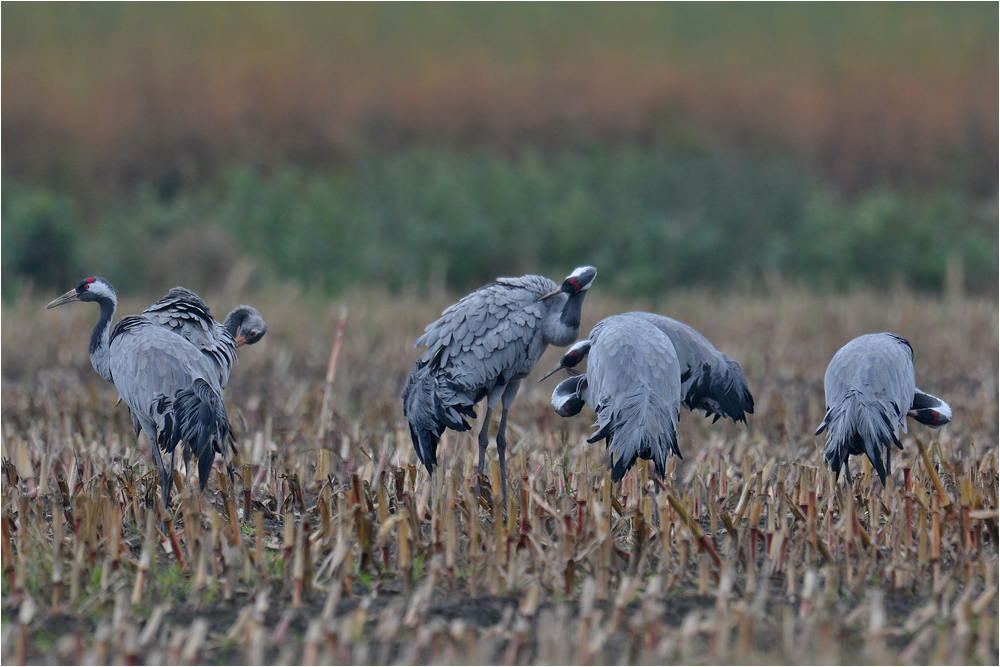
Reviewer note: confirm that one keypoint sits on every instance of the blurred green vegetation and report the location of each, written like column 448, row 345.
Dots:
column 724, row 145
column 650, row 220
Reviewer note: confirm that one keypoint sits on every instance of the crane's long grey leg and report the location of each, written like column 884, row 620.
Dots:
column 508, row 398
column 166, row 480
column 160, row 469
column 170, row 478
column 484, row 435
column 166, row 476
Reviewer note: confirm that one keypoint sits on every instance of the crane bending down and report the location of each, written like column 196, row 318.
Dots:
column 870, row 390
column 170, row 386
column 481, row 347
column 633, row 383
column 710, row 380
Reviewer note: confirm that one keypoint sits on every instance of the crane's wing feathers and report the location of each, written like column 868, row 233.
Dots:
column 711, row 381
column 186, row 314
column 482, row 341
column 171, row 388
column 633, row 379
column 488, row 320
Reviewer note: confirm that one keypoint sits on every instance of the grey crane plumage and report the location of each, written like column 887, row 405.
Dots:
column 870, row 390
column 171, row 387
column 633, row 383
column 185, row 313
column 710, row 380
column 481, row 347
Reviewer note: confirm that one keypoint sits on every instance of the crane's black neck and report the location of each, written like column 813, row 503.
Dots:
column 567, row 329
column 570, row 316
column 100, row 339
column 235, row 319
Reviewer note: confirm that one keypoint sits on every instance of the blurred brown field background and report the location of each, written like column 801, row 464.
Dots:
column 407, row 145
column 122, row 94
column 783, row 177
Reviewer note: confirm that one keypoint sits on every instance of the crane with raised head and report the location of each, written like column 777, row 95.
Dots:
column 870, row 390
column 171, row 387
column 633, row 383
column 482, row 347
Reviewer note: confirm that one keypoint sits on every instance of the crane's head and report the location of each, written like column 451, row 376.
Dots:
column 89, row 289
column 571, row 359
column 251, row 328
column 579, row 281
column 929, row 410
column 567, row 397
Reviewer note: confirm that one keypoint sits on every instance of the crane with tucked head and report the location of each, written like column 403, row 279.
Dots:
column 710, row 380
column 171, row 387
column 482, row 347
column 185, row 313
column 633, row 383
column 870, row 390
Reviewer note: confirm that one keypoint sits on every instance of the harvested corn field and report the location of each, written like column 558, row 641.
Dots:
column 332, row 545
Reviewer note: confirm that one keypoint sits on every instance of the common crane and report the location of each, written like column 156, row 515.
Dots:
column 710, row 380
column 870, row 390
column 171, row 387
column 633, row 383
column 482, row 347
column 185, row 313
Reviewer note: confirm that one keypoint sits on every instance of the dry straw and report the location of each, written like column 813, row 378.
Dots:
column 348, row 552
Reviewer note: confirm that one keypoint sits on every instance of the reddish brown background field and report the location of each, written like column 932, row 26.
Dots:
column 121, row 95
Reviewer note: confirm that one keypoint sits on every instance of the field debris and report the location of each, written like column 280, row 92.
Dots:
column 348, row 552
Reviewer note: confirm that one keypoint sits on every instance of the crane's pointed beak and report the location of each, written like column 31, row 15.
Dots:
column 64, row 299
column 550, row 294
column 559, row 367
column 551, row 373
column 240, row 340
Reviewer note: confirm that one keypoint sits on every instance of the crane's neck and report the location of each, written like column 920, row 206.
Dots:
column 100, row 339
column 235, row 319
column 567, row 328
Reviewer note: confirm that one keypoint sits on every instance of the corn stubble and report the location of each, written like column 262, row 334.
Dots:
column 331, row 545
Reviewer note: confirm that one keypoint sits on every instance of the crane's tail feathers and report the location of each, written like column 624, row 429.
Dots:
column 430, row 406
column 700, row 388
column 729, row 395
column 639, row 426
column 198, row 419
column 930, row 410
column 860, row 425
column 823, row 424
column 605, row 430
